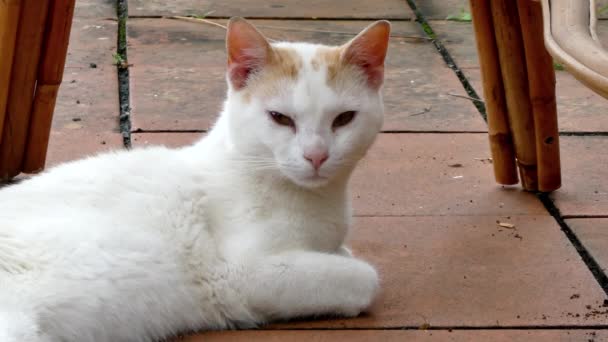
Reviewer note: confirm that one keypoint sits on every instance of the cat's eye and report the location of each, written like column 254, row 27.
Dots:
column 281, row 119
column 343, row 119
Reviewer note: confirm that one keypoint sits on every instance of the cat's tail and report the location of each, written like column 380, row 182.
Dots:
column 17, row 326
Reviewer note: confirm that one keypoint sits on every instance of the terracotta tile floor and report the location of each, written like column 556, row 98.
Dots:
column 428, row 220
column 192, row 56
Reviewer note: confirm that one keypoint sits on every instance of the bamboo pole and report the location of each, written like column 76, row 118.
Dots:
column 541, row 78
column 50, row 75
column 515, row 79
column 9, row 20
column 23, row 80
column 501, row 143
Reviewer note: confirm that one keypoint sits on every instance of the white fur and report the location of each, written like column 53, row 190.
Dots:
column 228, row 233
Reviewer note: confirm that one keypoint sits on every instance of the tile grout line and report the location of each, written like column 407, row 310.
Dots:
column 583, row 134
column 386, row 131
column 447, row 58
column 583, row 216
column 220, row 17
column 177, row 131
column 586, row 257
column 122, row 68
column 448, row 328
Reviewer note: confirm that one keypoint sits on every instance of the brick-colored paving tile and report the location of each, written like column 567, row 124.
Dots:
column 579, row 108
column 178, row 78
column 602, row 7
column 172, row 140
column 593, row 234
column 585, row 188
column 88, row 96
column 86, row 115
column 467, row 271
column 441, row 9
column 418, row 174
column 69, row 145
column 388, row 9
column 400, row 336
column 95, row 9
column 434, row 174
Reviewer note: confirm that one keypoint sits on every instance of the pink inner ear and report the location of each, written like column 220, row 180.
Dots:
column 247, row 51
column 240, row 69
column 368, row 51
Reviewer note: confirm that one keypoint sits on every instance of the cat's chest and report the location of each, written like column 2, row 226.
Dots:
column 270, row 224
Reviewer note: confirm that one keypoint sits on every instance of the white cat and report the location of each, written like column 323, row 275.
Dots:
column 244, row 227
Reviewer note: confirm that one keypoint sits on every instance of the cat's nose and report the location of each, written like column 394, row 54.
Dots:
column 316, row 158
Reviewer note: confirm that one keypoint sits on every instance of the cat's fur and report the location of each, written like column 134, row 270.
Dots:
column 235, row 231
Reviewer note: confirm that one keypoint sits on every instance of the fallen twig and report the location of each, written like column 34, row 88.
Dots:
column 282, row 28
column 506, row 225
column 466, row 97
column 198, row 20
column 424, row 111
column 205, row 21
column 335, row 32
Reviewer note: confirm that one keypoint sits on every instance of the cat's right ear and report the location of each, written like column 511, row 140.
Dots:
column 247, row 50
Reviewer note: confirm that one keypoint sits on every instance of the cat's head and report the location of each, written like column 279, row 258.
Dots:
column 308, row 111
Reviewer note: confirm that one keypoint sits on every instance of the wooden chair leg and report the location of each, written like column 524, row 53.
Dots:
column 511, row 54
column 541, row 79
column 501, row 143
column 28, row 45
column 34, row 40
column 50, row 75
column 9, row 19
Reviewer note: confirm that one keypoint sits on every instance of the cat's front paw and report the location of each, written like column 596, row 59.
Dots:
column 359, row 290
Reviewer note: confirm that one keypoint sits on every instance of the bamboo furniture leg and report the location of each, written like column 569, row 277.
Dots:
column 50, row 76
column 541, row 78
column 501, row 143
column 34, row 36
column 9, row 19
column 30, row 32
column 519, row 87
column 515, row 78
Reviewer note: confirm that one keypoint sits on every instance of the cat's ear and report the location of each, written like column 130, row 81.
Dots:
column 368, row 51
column 247, row 51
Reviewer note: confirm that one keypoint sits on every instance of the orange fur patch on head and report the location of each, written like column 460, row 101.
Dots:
column 359, row 60
column 283, row 63
column 339, row 73
column 253, row 62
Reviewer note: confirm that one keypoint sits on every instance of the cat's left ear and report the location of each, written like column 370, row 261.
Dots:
column 368, row 51
column 248, row 51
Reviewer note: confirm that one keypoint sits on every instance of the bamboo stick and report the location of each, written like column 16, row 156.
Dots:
column 50, row 75
column 541, row 78
column 501, row 143
column 515, row 79
column 23, row 81
column 40, row 127
column 9, row 20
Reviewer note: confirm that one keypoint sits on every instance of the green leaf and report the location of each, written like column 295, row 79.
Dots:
column 202, row 16
column 462, row 16
column 602, row 9
column 118, row 60
column 558, row 66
